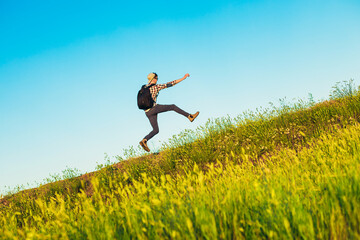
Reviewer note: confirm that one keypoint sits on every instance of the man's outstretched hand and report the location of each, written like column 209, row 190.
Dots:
column 183, row 78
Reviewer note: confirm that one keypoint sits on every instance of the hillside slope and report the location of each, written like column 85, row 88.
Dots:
column 266, row 158
column 258, row 133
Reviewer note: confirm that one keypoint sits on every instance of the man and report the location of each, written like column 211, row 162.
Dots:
column 152, row 112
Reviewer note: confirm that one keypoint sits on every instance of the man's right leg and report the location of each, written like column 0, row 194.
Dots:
column 152, row 115
column 154, row 125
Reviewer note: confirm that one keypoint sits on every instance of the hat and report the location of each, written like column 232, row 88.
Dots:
column 151, row 76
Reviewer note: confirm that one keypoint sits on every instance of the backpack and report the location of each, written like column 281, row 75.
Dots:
column 144, row 99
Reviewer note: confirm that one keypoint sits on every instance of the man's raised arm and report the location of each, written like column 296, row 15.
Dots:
column 172, row 83
column 181, row 79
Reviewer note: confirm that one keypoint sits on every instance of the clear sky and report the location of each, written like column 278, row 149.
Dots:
column 70, row 70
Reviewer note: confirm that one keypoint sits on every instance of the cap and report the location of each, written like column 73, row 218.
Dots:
column 151, row 76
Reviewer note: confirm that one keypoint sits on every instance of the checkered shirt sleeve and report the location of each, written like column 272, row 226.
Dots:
column 154, row 90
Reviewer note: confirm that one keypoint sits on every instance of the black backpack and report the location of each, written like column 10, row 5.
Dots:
column 144, row 99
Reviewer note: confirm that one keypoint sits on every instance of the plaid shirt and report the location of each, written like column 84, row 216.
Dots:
column 154, row 90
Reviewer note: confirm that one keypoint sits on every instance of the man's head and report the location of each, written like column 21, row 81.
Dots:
column 152, row 78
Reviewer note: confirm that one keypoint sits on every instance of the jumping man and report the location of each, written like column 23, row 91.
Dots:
column 153, row 111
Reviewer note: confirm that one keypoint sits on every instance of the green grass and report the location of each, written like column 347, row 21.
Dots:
column 288, row 172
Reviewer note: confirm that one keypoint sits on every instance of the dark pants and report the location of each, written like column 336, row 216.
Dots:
column 152, row 115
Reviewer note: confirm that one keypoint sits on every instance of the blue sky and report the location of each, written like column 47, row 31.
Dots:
column 70, row 71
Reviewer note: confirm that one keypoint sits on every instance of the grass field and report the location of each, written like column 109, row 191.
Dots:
column 288, row 172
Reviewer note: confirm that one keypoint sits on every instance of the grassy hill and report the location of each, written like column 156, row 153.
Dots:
column 288, row 172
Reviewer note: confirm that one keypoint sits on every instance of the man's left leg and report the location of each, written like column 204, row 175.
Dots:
column 172, row 107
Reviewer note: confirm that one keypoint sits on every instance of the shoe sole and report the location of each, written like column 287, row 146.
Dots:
column 144, row 147
column 195, row 116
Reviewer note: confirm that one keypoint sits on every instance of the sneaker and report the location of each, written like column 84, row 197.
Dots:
column 144, row 145
column 192, row 117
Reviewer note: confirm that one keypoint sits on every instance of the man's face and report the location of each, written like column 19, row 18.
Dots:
column 154, row 81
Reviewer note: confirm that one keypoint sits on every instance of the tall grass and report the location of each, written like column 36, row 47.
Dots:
column 344, row 89
column 312, row 193
column 263, row 131
column 288, row 172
